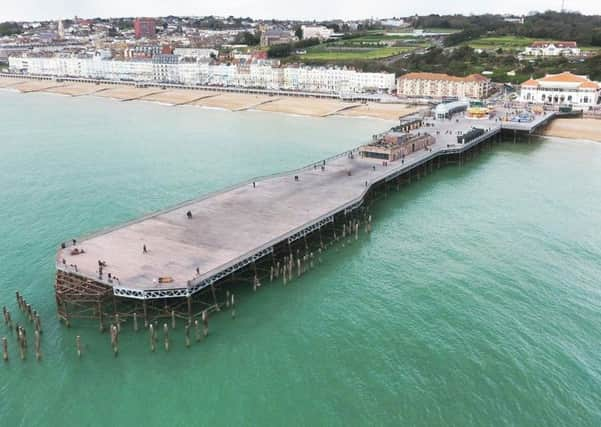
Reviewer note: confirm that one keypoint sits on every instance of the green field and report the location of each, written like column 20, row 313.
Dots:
column 504, row 42
column 320, row 53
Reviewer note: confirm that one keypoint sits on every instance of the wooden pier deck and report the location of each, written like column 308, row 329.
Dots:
column 232, row 228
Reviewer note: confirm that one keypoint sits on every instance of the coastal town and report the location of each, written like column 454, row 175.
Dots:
column 241, row 64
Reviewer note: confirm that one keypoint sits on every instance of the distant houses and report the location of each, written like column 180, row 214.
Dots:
column 273, row 36
column 316, row 32
column 257, row 74
column 438, row 85
column 562, row 88
column 552, row 48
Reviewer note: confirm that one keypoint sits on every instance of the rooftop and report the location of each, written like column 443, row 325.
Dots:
column 442, row 76
column 563, row 78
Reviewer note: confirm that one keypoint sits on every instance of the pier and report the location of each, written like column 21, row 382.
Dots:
column 174, row 262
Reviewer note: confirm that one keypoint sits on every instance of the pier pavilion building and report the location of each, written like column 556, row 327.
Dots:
column 563, row 88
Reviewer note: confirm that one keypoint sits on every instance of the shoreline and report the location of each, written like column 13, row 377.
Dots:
column 229, row 101
column 575, row 129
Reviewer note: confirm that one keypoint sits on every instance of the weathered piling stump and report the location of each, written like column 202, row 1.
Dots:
column 21, row 340
column 9, row 320
column 24, row 333
column 166, row 336
column 38, row 346
column 4, row 349
column 78, row 345
column 38, row 323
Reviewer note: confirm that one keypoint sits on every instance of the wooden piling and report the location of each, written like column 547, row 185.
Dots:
column 152, row 338
column 233, row 307
column 172, row 319
column 78, row 345
column 21, row 338
column 227, row 299
column 187, row 331
column 205, row 324
column 189, row 305
column 4, row 349
column 38, row 350
column 166, row 336
column 24, row 337
column 196, row 330
column 145, row 313
column 115, row 339
column 100, row 318
column 38, row 323
column 135, row 322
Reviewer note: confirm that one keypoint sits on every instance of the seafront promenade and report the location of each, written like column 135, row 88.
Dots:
column 314, row 104
column 195, row 244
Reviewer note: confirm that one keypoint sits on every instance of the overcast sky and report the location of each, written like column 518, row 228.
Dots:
column 303, row 9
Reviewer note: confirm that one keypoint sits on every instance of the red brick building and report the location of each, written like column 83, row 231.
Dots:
column 144, row 27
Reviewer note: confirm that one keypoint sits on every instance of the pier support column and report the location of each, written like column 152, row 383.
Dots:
column 215, row 298
column 189, row 301
column 145, row 313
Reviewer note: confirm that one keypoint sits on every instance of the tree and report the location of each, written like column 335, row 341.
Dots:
column 247, row 38
column 9, row 28
column 596, row 37
column 280, row 50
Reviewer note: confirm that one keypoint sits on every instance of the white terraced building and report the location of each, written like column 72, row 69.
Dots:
column 299, row 78
column 542, row 48
column 563, row 88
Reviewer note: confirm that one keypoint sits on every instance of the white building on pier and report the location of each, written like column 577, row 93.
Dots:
column 563, row 88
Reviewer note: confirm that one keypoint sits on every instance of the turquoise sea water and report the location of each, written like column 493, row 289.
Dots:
column 475, row 301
